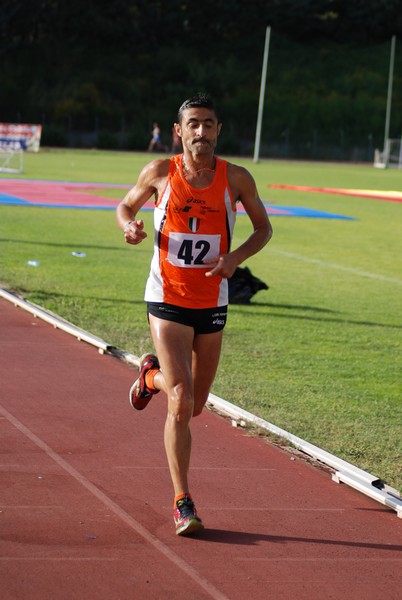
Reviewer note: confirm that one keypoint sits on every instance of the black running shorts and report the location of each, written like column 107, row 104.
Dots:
column 202, row 320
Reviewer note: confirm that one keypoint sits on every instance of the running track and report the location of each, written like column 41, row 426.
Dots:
column 86, row 498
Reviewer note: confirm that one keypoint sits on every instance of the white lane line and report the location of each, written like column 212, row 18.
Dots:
column 31, row 506
column 195, row 468
column 315, row 559
column 268, row 509
column 323, row 263
column 177, row 560
column 57, row 558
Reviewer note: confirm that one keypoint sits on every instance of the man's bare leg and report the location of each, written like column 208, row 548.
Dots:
column 173, row 344
column 188, row 367
column 206, row 354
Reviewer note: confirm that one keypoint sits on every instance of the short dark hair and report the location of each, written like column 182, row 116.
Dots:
column 200, row 100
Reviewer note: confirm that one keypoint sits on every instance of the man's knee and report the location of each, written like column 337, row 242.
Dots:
column 181, row 403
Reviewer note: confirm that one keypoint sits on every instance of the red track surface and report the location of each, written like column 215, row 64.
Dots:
column 86, row 499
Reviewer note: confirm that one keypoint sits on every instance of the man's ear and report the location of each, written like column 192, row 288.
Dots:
column 177, row 127
column 219, row 128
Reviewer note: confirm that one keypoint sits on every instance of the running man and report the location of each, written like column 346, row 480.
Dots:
column 187, row 289
column 155, row 142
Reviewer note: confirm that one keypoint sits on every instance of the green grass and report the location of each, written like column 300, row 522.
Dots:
column 318, row 354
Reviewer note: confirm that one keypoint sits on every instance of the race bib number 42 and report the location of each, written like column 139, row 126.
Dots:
column 192, row 250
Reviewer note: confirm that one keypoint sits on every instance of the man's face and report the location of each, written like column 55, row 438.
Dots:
column 199, row 130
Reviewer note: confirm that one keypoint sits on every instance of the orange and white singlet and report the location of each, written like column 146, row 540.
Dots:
column 191, row 226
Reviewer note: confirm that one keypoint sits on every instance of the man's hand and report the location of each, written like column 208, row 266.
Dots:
column 134, row 232
column 224, row 266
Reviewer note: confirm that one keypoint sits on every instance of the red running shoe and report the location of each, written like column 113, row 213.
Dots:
column 140, row 394
column 185, row 517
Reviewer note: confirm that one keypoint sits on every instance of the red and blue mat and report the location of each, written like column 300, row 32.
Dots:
column 57, row 194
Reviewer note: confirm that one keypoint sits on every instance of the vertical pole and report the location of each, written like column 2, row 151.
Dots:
column 389, row 97
column 262, row 95
column 400, row 153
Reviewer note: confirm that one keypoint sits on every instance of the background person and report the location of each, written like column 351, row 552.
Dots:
column 155, row 142
column 176, row 142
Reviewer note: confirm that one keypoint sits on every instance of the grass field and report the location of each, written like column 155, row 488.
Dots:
column 318, row 354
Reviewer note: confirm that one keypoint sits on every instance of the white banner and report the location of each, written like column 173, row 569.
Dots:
column 20, row 136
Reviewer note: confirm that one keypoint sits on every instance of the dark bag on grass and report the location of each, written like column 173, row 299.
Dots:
column 243, row 285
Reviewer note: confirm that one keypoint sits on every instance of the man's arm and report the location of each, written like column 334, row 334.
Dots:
column 243, row 188
column 150, row 182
